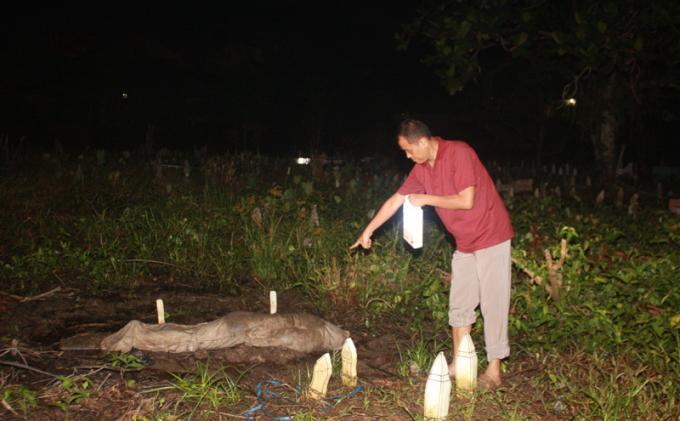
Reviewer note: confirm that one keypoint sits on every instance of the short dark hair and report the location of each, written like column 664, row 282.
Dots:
column 412, row 130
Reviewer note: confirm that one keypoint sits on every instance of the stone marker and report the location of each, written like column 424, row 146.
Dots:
column 619, row 198
column 349, row 363
column 438, row 390
column 523, row 185
column 674, row 205
column 466, row 365
column 160, row 309
column 634, row 204
column 314, row 217
column 600, row 198
column 573, row 195
column 272, row 302
column 186, row 168
column 322, row 374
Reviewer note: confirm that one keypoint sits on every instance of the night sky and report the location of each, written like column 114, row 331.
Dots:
column 284, row 77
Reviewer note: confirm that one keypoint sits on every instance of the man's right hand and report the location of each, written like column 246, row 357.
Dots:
column 364, row 240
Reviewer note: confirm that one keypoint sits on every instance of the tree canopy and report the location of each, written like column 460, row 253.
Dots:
column 607, row 55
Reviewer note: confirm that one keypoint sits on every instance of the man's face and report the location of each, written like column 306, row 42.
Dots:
column 417, row 152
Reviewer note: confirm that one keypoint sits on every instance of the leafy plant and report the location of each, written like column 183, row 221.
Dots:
column 212, row 389
column 75, row 389
column 20, row 397
column 126, row 361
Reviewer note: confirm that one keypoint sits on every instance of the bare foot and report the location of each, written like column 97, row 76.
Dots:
column 488, row 381
column 452, row 369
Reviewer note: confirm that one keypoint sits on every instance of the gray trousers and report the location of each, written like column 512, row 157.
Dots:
column 482, row 278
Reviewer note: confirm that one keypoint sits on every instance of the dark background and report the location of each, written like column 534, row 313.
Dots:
column 282, row 78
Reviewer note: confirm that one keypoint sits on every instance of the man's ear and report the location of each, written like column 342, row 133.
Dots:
column 422, row 141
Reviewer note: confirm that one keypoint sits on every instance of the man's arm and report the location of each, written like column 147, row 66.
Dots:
column 463, row 200
column 389, row 208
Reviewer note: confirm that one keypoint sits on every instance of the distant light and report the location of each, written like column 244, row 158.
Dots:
column 125, row 96
column 570, row 102
column 303, row 161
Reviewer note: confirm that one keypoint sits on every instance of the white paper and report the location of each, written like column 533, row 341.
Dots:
column 413, row 224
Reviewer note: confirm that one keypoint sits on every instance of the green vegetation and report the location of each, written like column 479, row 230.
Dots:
column 601, row 327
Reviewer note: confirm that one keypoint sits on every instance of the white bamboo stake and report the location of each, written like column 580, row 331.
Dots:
column 466, row 365
column 322, row 374
column 438, row 390
column 272, row 302
column 160, row 309
column 349, row 363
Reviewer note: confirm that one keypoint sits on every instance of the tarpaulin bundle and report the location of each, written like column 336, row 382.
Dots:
column 299, row 332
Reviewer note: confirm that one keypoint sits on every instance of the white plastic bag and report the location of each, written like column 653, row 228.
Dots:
column 413, row 224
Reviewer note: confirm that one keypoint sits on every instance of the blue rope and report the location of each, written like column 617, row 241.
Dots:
column 334, row 400
column 263, row 393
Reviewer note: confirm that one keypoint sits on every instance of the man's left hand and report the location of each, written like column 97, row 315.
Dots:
column 418, row 199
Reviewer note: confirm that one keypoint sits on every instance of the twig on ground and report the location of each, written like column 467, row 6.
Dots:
column 28, row 367
column 54, row 272
column 14, row 350
column 33, row 298
column 102, row 383
column 402, row 406
column 8, row 407
column 157, row 262
column 233, row 415
column 107, row 367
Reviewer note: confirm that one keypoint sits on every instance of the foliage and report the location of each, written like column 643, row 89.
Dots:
column 608, row 54
column 126, row 361
column 618, row 309
column 581, row 37
column 74, row 389
column 214, row 389
column 19, row 397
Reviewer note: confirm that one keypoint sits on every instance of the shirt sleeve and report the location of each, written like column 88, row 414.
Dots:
column 464, row 168
column 411, row 185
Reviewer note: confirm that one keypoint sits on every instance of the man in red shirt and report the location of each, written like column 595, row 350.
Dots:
column 449, row 176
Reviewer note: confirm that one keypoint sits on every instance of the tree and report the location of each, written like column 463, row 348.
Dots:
column 609, row 55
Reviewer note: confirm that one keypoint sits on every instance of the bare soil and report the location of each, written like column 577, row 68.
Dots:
column 31, row 331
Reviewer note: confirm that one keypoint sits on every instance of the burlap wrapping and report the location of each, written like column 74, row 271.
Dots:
column 299, row 332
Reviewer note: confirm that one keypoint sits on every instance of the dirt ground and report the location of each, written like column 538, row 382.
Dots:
column 31, row 331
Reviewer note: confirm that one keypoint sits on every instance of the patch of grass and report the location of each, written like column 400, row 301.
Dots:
column 126, row 361
column 418, row 357
column 19, row 398
column 74, row 390
column 111, row 225
column 206, row 389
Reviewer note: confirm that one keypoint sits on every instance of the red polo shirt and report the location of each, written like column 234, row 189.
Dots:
column 457, row 167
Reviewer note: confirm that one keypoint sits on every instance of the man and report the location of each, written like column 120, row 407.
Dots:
column 449, row 176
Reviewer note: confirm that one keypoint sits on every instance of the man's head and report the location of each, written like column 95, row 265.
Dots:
column 414, row 139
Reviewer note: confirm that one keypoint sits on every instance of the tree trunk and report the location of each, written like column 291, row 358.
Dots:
column 605, row 129
column 604, row 142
